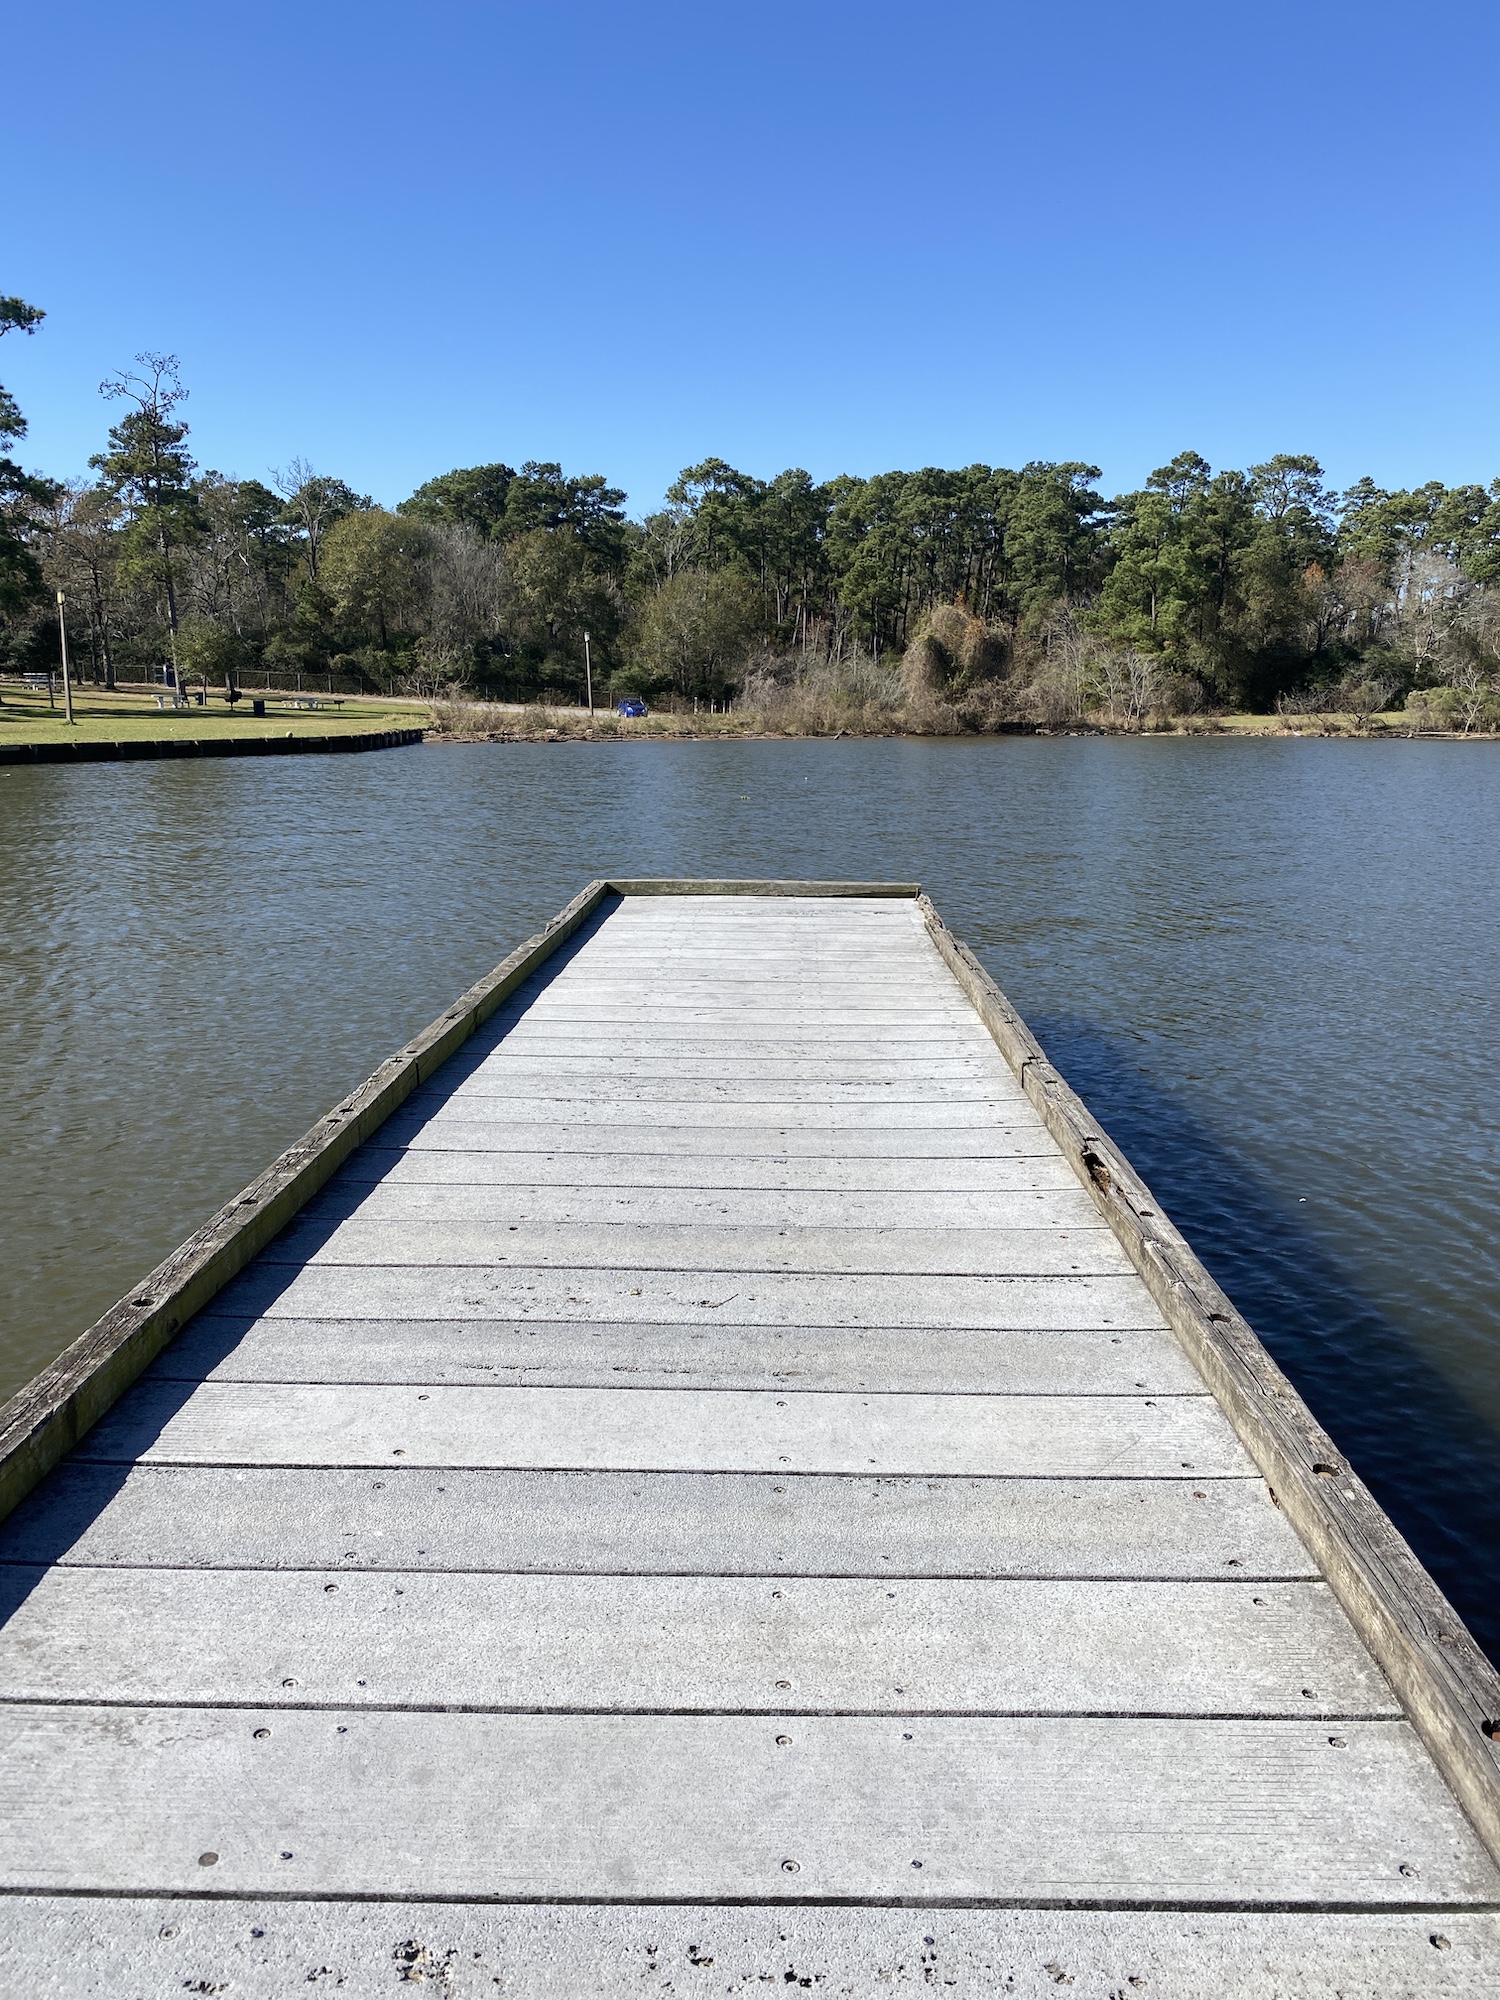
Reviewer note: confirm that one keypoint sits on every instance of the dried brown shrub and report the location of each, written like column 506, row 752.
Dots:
column 951, row 653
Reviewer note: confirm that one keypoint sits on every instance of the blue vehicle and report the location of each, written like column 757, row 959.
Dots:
column 632, row 705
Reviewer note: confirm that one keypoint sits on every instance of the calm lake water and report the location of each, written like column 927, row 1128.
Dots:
column 1273, row 969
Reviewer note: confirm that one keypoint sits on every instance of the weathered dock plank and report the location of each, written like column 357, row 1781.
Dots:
column 473, row 1125
column 608, row 1808
column 912, row 1211
column 671, row 1430
column 643, row 1295
column 753, row 1101
column 159, row 1948
column 819, row 1112
column 396, row 1242
column 238, row 1348
column 684, row 1644
column 656, row 1523
column 734, row 1435
column 470, row 1159
column 560, row 1075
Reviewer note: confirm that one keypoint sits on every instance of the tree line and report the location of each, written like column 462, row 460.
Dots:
column 1230, row 589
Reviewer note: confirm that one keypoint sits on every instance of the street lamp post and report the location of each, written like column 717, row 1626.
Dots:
column 588, row 675
column 62, row 633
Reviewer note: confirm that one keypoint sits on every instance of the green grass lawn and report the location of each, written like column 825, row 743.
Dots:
column 1307, row 725
column 126, row 717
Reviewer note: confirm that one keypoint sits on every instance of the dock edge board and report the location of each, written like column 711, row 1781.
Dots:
column 1445, row 1683
column 44, row 1420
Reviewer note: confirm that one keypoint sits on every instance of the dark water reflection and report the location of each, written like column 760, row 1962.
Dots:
column 1271, row 967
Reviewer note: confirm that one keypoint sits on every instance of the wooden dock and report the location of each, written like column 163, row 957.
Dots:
column 711, row 1475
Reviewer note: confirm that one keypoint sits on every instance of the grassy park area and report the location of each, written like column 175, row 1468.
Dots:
column 133, row 715
column 136, row 715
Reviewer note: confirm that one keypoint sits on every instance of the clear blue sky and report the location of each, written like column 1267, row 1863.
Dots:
column 396, row 239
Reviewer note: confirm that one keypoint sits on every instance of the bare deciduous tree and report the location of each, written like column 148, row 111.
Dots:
column 314, row 502
column 466, row 597
column 83, row 560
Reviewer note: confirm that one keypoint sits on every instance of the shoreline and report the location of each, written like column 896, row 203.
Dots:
column 150, row 748
column 122, row 729
column 438, row 738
